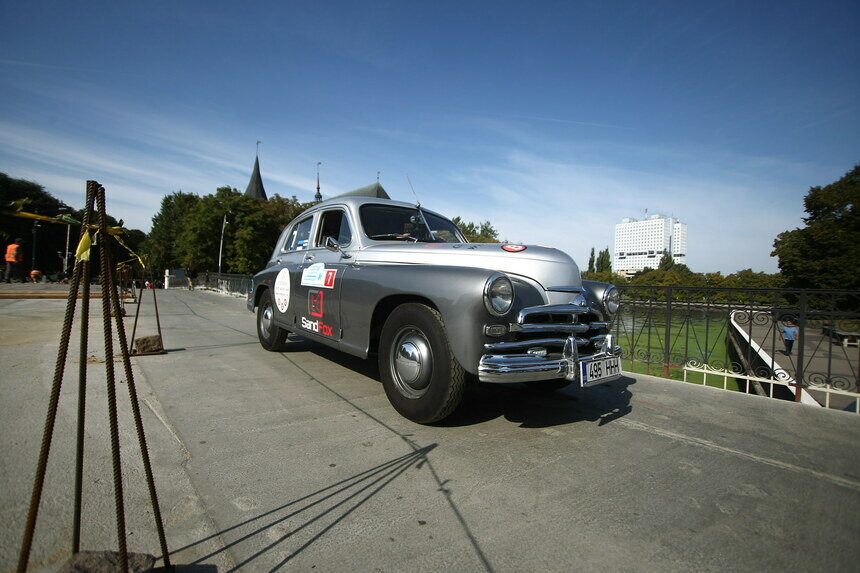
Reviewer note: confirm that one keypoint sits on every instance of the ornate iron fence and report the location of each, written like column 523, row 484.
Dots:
column 663, row 329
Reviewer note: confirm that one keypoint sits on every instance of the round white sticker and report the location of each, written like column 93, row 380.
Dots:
column 282, row 290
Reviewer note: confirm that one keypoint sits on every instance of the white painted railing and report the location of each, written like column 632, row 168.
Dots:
column 789, row 382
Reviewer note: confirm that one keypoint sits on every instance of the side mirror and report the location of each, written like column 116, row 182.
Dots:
column 332, row 245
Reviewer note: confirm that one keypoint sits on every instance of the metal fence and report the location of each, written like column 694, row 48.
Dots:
column 686, row 332
column 224, row 282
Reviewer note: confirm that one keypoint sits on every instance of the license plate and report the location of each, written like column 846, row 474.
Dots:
column 602, row 370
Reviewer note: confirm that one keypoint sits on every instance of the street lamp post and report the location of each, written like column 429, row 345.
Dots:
column 36, row 226
column 221, row 247
column 66, row 258
column 68, row 228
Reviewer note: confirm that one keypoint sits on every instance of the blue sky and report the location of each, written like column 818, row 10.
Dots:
column 554, row 120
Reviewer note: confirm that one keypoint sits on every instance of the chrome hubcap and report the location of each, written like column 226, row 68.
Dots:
column 411, row 362
column 266, row 318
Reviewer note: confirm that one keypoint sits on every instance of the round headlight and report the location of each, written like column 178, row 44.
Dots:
column 611, row 299
column 498, row 294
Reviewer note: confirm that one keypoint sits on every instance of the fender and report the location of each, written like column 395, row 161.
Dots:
column 456, row 292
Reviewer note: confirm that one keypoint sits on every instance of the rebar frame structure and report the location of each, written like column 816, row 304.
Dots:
column 95, row 194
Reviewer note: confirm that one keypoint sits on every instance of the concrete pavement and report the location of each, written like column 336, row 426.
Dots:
column 295, row 459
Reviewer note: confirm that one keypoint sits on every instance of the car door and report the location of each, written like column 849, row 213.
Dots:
column 290, row 260
column 322, row 276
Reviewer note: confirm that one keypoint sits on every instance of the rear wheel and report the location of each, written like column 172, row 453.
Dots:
column 271, row 336
column 421, row 377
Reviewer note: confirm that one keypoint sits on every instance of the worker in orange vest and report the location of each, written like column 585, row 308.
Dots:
column 14, row 258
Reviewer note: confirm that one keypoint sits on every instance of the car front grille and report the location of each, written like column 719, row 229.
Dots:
column 548, row 327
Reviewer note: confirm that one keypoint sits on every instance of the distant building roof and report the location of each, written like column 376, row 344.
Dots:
column 255, row 187
column 372, row 190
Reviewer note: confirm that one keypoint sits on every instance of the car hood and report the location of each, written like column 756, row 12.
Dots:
column 548, row 266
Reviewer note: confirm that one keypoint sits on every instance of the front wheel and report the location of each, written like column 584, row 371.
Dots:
column 271, row 336
column 421, row 377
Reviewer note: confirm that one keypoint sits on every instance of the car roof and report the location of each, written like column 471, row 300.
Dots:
column 355, row 202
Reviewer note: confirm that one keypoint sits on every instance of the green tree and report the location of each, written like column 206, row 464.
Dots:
column 591, row 268
column 477, row 233
column 160, row 246
column 748, row 278
column 604, row 261
column 666, row 262
column 604, row 276
column 187, row 230
column 256, row 229
column 824, row 253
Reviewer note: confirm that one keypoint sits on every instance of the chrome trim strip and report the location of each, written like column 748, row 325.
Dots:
column 507, row 346
column 551, row 309
column 498, row 368
column 572, row 328
column 502, row 346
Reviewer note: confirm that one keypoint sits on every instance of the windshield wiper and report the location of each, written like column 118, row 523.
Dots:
column 396, row 236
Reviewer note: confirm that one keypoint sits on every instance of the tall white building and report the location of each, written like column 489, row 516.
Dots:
column 640, row 244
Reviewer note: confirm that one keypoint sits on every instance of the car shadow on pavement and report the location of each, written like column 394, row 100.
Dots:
column 530, row 407
column 365, row 366
column 296, row 525
column 533, row 408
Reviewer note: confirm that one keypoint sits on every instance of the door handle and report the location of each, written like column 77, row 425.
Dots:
column 309, row 257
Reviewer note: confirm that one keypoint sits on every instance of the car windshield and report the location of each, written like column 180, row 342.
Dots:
column 390, row 223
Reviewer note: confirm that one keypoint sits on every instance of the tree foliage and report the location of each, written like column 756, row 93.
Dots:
column 50, row 237
column 187, row 230
column 824, row 253
column 604, row 261
column 666, row 262
column 477, row 232
column 591, row 268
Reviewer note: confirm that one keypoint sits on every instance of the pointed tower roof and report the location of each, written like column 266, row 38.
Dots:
column 255, row 185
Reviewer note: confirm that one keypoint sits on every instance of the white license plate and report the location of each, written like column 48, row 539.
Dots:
column 602, row 370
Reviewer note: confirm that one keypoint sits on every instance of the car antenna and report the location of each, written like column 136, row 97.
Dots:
column 417, row 202
column 418, row 206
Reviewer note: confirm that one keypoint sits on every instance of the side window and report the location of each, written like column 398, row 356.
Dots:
column 334, row 224
column 299, row 236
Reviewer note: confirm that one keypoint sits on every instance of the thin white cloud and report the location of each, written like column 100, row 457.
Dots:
column 576, row 207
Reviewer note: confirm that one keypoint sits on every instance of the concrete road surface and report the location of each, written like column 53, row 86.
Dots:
column 296, row 460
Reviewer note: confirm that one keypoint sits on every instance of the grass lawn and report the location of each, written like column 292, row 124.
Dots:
column 695, row 337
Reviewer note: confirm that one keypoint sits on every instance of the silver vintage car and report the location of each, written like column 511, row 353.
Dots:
column 368, row 275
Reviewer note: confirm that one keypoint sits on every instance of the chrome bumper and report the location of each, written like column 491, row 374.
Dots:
column 509, row 368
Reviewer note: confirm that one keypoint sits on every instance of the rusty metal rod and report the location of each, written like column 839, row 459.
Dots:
column 106, row 279
column 82, row 381
column 137, row 312
column 39, row 481
column 138, row 421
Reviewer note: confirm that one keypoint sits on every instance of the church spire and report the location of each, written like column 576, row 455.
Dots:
column 255, row 185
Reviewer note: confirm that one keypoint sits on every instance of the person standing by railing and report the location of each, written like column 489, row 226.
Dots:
column 190, row 274
column 788, row 334
column 14, row 259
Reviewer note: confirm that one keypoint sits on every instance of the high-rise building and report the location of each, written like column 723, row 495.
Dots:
column 642, row 243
